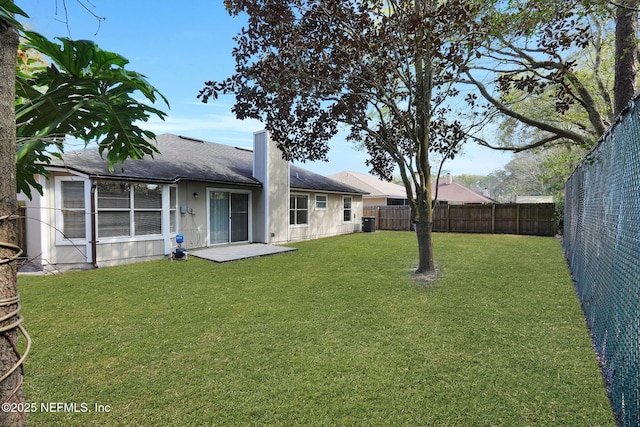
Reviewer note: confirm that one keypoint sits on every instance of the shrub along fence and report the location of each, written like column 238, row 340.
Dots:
column 530, row 218
column 602, row 246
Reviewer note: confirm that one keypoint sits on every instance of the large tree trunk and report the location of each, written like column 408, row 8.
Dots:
column 422, row 209
column 11, row 387
column 424, row 226
column 626, row 67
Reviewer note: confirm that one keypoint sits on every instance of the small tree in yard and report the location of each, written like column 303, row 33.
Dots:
column 11, row 386
column 383, row 68
column 85, row 92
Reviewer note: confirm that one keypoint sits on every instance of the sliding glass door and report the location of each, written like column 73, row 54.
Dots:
column 218, row 217
column 239, row 217
column 228, row 217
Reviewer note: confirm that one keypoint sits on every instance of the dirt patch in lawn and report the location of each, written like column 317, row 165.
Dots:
column 425, row 279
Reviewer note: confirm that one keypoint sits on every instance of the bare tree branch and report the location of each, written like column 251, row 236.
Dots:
column 561, row 133
column 540, row 143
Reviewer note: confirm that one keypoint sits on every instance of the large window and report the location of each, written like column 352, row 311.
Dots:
column 128, row 210
column 114, row 209
column 73, row 210
column 298, row 209
column 346, row 211
column 147, row 209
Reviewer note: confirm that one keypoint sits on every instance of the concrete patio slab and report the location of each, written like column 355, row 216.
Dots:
column 237, row 252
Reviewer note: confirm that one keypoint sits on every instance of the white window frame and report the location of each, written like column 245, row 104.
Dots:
column 174, row 228
column 326, row 202
column 345, row 209
column 162, row 209
column 59, row 218
column 295, row 209
column 249, row 193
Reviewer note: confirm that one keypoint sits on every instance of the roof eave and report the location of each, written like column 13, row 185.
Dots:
column 133, row 178
column 320, row 190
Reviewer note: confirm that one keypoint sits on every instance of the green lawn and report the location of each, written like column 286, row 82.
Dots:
column 336, row 333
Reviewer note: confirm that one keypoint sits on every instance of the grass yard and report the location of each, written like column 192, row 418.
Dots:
column 336, row 333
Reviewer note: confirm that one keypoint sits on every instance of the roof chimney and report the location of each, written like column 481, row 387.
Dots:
column 448, row 179
column 273, row 171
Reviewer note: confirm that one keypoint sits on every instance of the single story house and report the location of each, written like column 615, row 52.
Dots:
column 210, row 193
column 380, row 193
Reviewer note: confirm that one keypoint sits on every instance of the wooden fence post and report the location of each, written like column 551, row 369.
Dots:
column 493, row 218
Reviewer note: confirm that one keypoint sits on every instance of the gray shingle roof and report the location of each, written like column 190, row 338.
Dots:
column 180, row 158
column 302, row 179
column 185, row 158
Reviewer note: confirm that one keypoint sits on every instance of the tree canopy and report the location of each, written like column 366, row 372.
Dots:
column 545, row 69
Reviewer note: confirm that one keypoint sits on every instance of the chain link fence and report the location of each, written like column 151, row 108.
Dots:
column 602, row 246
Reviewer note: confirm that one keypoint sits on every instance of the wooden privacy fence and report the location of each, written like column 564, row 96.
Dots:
column 390, row 217
column 537, row 219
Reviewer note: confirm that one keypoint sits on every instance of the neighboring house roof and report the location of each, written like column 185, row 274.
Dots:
column 372, row 185
column 183, row 158
column 451, row 192
column 448, row 191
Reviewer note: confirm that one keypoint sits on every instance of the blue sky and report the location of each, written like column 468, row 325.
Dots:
column 178, row 49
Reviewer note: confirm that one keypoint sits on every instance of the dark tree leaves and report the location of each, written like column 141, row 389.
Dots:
column 305, row 67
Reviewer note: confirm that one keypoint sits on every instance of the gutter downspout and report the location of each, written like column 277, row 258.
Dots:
column 94, row 242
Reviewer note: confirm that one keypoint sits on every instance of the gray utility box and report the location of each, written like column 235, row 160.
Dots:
column 369, row 224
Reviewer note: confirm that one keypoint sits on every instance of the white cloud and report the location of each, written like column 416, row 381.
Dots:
column 224, row 129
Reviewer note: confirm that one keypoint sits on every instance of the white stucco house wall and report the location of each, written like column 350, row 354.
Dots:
column 212, row 194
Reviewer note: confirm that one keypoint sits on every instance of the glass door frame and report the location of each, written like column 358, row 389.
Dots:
column 210, row 192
